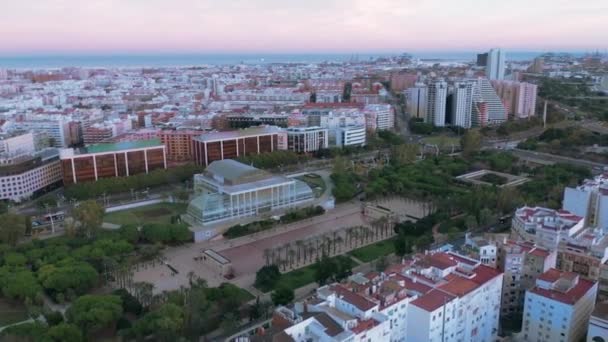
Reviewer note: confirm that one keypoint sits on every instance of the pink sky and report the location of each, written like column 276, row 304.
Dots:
column 307, row 26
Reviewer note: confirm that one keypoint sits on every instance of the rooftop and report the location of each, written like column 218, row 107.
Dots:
column 121, row 146
column 241, row 133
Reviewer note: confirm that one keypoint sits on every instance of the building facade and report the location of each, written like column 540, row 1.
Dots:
column 24, row 176
column 495, row 68
column 230, row 190
column 121, row 159
column 436, row 103
column 416, row 102
column 350, row 136
column 307, row 139
column 210, row 147
column 462, row 104
column 558, row 307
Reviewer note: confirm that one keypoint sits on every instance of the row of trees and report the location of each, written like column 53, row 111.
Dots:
column 258, row 226
column 271, row 160
column 117, row 185
column 302, row 252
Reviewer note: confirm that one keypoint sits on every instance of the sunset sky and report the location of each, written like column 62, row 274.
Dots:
column 299, row 26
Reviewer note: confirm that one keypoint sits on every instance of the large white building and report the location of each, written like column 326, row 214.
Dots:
column 495, row 68
column 350, row 136
column 25, row 175
column 55, row 129
column 230, row 190
column 462, row 104
column 16, row 144
column 416, row 102
column 546, row 227
column 590, row 200
column 433, row 297
column 379, row 116
column 436, row 102
column 558, row 308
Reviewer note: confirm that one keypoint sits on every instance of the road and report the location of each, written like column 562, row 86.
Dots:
column 531, row 155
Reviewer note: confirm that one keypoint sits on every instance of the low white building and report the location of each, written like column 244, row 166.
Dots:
column 546, row 227
column 558, row 308
column 23, row 176
column 350, row 136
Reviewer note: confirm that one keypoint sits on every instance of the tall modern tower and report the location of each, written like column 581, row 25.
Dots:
column 462, row 104
column 415, row 98
column 437, row 97
column 495, row 68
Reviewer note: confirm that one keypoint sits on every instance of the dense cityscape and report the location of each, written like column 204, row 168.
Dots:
column 412, row 196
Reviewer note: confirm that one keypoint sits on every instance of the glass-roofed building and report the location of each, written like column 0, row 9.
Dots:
column 229, row 190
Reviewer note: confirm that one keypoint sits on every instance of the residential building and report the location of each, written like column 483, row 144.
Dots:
column 558, row 307
column 350, row 136
column 416, row 101
column 590, row 200
column 17, row 143
column 546, row 227
column 229, row 190
column 307, row 139
column 379, row 117
column 433, row 297
column 436, row 103
column 462, row 104
column 522, row 263
column 55, row 130
column 598, row 324
column 178, row 143
column 519, row 98
column 213, row 146
column 490, row 106
column 538, row 65
column 495, row 68
column 112, row 160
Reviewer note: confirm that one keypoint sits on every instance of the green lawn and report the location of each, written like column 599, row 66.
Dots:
column 11, row 313
column 374, row 251
column 442, row 139
column 155, row 213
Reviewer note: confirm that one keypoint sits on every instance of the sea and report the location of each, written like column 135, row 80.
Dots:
column 187, row 60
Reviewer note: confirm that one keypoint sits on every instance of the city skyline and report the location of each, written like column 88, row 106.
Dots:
column 269, row 26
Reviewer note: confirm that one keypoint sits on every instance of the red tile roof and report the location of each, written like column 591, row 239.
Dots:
column 365, row 325
column 355, row 299
column 484, row 273
column 459, row 286
column 569, row 297
column 551, row 276
column 433, row 300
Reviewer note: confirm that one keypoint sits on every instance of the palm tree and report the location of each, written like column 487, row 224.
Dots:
column 334, row 238
column 338, row 240
column 292, row 255
column 299, row 244
column 311, row 249
column 267, row 254
column 191, row 276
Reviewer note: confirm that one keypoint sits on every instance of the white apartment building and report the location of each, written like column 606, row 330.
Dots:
column 436, row 103
column 546, row 227
column 590, row 200
column 307, row 139
column 462, row 104
column 495, row 68
column 416, row 101
column 379, row 116
column 57, row 129
column 433, row 297
column 558, row 308
column 350, row 136
column 21, row 143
